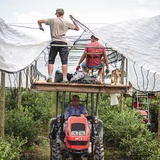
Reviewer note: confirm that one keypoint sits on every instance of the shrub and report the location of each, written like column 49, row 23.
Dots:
column 127, row 132
column 144, row 147
column 19, row 122
column 39, row 104
column 11, row 98
column 10, row 148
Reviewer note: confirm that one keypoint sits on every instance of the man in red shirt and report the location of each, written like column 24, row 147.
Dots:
column 94, row 57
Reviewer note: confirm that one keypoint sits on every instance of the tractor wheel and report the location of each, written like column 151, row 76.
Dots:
column 99, row 152
column 55, row 153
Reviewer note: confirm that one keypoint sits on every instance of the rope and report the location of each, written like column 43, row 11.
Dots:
column 154, row 80
column 136, row 75
column 147, row 79
column 142, row 76
column 145, row 88
column 23, row 26
column 9, row 80
column 81, row 24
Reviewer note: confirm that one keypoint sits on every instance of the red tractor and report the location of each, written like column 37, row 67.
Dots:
column 79, row 138
column 77, row 133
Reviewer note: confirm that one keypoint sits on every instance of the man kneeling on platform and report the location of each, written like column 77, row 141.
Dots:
column 94, row 52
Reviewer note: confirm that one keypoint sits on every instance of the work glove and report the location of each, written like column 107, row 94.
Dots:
column 71, row 17
column 77, row 68
column 107, row 71
column 41, row 28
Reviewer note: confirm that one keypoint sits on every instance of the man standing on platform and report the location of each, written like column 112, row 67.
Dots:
column 58, row 30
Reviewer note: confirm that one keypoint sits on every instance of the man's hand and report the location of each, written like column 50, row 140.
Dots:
column 71, row 17
column 78, row 67
column 82, row 115
column 41, row 28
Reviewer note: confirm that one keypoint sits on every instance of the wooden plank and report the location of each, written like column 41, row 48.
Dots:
column 79, row 88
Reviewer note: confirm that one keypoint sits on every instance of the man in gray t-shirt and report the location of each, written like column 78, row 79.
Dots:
column 58, row 30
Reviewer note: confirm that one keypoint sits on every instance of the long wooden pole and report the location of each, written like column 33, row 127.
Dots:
column 31, row 73
column 122, row 82
column 159, row 121
column 2, row 105
column 19, row 89
column 27, row 74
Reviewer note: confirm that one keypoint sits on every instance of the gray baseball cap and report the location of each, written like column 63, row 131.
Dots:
column 60, row 10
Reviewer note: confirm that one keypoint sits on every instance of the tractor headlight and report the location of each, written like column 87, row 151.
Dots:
column 82, row 133
column 74, row 133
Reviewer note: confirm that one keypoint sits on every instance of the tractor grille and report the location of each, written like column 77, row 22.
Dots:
column 78, row 127
column 78, row 143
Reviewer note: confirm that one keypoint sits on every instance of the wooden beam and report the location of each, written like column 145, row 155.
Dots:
column 79, row 88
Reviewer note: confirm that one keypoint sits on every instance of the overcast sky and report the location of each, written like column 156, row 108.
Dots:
column 86, row 11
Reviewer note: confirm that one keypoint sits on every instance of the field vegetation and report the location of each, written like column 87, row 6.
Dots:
column 126, row 137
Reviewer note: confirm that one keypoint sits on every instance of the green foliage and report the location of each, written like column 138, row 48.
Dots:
column 123, row 130
column 11, row 98
column 10, row 148
column 144, row 147
column 39, row 104
column 30, row 119
column 127, row 132
column 20, row 123
column 154, row 103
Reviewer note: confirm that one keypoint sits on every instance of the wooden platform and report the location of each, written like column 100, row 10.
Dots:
column 77, row 88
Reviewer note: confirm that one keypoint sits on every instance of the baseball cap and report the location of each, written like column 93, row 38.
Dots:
column 60, row 10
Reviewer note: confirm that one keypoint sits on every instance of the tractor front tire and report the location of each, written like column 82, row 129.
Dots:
column 55, row 151
column 99, row 152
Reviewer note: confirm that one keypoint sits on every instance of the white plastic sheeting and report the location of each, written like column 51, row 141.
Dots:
column 17, row 50
column 138, row 40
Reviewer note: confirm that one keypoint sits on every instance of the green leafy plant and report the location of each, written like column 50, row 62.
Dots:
column 19, row 122
column 128, row 133
column 11, row 148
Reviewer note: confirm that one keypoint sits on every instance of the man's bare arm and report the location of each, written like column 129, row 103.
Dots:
column 40, row 24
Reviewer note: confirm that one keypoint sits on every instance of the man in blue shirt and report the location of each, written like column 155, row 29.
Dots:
column 75, row 108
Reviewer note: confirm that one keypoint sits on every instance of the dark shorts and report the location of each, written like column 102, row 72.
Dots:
column 63, row 52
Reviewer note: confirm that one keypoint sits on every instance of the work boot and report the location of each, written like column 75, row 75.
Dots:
column 49, row 79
